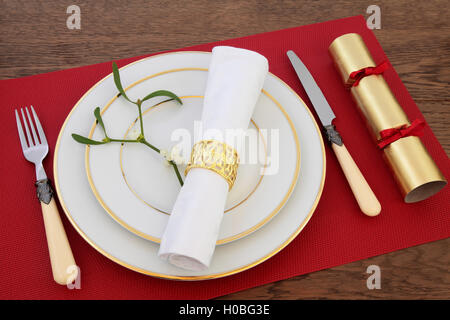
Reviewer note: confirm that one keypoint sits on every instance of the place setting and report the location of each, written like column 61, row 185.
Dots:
column 205, row 162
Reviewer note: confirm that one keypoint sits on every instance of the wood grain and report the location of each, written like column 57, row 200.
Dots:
column 415, row 36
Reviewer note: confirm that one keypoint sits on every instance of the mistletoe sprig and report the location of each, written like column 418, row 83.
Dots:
column 141, row 137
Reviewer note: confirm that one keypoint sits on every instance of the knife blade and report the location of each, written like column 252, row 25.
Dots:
column 315, row 95
column 364, row 195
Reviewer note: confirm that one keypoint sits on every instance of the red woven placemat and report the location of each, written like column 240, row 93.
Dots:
column 337, row 233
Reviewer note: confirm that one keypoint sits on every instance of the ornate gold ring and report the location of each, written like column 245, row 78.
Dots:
column 215, row 156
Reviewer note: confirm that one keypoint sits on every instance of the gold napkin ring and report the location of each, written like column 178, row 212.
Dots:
column 215, row 156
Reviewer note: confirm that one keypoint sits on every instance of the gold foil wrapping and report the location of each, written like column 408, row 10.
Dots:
column 416, row 174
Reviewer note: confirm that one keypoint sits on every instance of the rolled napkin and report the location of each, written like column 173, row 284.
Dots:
column 235, row 79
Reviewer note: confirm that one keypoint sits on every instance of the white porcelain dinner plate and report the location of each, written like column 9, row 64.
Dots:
column 102, row 185
column 133, row 184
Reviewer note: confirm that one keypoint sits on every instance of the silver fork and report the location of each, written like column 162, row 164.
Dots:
column 35, row 148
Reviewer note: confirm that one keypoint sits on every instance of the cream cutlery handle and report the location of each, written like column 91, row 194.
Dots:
column 61, row 256
column 364, row 195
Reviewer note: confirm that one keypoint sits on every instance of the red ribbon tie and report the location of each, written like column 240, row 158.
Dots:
column 364, row 72
column 393, row 134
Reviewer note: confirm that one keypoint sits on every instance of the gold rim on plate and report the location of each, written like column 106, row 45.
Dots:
column 164, row 276
column 221, row 241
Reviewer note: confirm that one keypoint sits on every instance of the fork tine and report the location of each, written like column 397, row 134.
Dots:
column 23, row 141
column 30, row 141
column 39, row 127
column 36, row 140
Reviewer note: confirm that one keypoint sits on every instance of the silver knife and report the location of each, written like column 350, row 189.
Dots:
column 364, row 195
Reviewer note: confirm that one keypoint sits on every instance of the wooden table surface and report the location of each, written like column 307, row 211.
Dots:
column 414, row 34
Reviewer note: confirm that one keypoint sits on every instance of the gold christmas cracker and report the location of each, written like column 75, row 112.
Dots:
column 414, row 170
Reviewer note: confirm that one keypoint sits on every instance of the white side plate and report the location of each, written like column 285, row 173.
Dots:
column 135, row 187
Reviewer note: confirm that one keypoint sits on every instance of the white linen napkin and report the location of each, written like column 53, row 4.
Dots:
column 235, row 79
